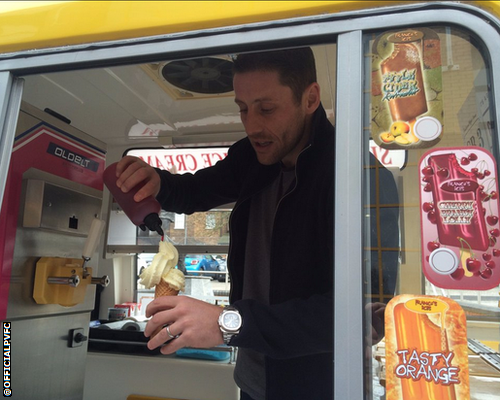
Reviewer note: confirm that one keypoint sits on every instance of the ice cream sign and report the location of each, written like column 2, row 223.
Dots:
column 406, row 105
column 181, row 161
column 459, row 211
column 426, row 349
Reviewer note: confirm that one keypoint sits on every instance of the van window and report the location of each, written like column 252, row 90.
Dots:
column 206, row 274
column 428, row 90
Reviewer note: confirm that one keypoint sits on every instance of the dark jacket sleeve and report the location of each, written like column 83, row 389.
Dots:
column 295, row 328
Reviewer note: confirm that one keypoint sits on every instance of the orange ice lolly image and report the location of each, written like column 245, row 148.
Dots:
column 416, row 331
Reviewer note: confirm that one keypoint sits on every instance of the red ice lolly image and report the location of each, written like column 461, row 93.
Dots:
column 457, row 199
column 459, row 214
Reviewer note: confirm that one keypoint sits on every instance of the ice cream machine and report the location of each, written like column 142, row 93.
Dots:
column 64, row 281
column 50, row 225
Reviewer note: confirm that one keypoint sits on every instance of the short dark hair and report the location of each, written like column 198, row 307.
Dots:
column 296, row 67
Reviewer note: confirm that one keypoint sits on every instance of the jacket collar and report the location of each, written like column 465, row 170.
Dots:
column 320, row 126
column 263, row 175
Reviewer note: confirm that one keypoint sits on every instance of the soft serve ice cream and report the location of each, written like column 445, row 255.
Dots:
column 162, row 274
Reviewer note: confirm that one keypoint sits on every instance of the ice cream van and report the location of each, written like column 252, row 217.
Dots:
column 413, row 90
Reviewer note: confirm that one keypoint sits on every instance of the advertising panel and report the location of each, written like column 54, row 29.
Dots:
column 406, row 109
column 426, row 349
column 459, row 212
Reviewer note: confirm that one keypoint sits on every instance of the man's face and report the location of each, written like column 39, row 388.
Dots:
column 273, row 121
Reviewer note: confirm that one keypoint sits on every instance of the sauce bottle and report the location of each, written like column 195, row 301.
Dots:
column 144, row 213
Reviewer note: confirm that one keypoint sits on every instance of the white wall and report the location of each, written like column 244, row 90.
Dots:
column 116, row 376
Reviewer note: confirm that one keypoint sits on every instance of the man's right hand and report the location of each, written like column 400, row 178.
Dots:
column 131, row 171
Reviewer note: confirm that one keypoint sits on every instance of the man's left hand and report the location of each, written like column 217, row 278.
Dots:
column 193, row 322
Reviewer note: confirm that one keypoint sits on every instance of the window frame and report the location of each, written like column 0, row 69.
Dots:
column 348, row 28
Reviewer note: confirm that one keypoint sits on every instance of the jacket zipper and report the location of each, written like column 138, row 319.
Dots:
column 276, row 212
column 230, row 241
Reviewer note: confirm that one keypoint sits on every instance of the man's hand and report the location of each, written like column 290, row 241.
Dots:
column 377, row 333
column 195, row 322
column 131, row 171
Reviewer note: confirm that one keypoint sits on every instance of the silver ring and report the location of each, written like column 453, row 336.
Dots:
column 170, row 334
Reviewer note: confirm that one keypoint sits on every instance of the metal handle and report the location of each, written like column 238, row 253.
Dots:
column 73, row 280
column 80, row 337
column 103, row 281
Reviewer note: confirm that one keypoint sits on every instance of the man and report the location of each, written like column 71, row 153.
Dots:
column 281, row 254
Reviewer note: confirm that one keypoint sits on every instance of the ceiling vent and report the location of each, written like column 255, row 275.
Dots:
column 194, row 79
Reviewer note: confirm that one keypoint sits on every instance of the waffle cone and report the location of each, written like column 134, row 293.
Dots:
column 164, row 289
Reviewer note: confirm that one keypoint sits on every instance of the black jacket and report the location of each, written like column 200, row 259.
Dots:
column 295, row 332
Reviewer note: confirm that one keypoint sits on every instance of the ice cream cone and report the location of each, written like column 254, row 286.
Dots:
column 164, row 289
column 162, row 274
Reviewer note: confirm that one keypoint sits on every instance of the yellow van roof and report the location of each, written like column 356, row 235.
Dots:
column 28, row 25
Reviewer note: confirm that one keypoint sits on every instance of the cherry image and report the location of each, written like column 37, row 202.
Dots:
column 495, row 232
column 490, row 264
column 496, row 252
column 486, row 256
column 494, row 195
column 431, row 246
column 492, row 219
column 464, row 161
column 429, row 207
column 474, row 171
column 458, row 274
column 487, row 172
column 428, row 171
column 427, row 187
column 473, row 264
column 472, row 157
column 486, row 273
column 432, row 217
column 493, row 241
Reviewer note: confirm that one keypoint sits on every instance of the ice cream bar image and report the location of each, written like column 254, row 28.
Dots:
column 457, row 201
column 426, row 349
column 403, row 83
column 415, row 331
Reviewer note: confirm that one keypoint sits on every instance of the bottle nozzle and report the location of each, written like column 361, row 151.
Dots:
column 153, row 222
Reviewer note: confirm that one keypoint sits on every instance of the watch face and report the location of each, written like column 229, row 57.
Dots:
column 231, row 320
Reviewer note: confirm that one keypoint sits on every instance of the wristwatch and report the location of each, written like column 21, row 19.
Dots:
column 230, row 322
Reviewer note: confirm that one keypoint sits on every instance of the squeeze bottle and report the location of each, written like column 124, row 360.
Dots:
column 143, row 213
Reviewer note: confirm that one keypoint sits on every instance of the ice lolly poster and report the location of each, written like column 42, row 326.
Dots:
column 459, row 214
column 426, row 349
column 406, row 94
